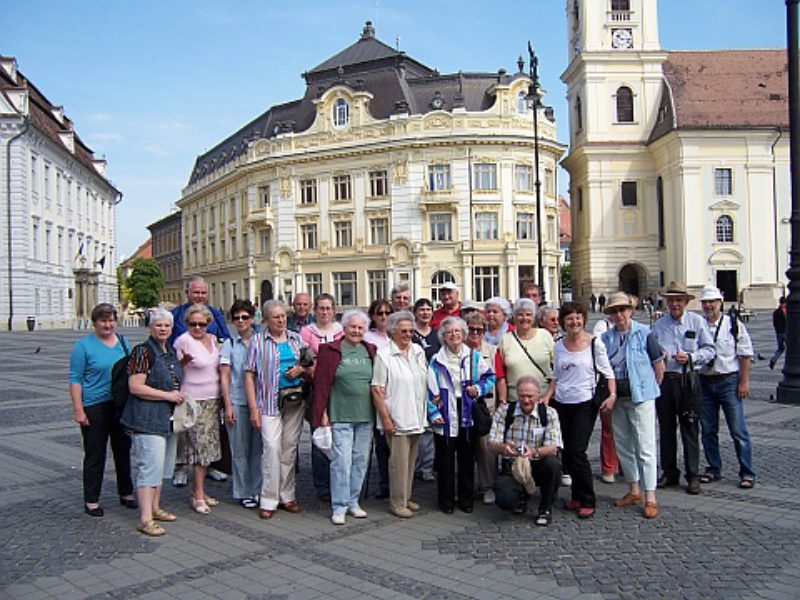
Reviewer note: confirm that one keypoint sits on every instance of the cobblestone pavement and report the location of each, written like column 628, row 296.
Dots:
column 726, row 542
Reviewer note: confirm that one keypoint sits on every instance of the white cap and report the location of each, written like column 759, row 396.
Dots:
column 449, row 285
column 710, row 293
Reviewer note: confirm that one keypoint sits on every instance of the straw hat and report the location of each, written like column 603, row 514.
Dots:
column 616, row 300
column 677, row 289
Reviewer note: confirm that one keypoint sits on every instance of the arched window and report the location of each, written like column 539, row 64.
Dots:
column 725, row 229
column 624, row 105
column 522, row 105
column 341, row 113
column 437, row 280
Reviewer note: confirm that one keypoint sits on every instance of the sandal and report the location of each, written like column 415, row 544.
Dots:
column 747, row 484
column 163, row 515
column 708, row 478
column 150, row 528
column 199, row 505
column 211, row 501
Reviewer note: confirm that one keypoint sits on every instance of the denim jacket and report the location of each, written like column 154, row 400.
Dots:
column 640, row 370
column 153, row 416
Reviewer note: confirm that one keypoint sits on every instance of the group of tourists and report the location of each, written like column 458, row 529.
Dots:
column 437, row 393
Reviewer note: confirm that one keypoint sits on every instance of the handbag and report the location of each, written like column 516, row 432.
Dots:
column 291, row 396
column 601, row 391
column 184, row 416
column 481, row 417
column 691, row 393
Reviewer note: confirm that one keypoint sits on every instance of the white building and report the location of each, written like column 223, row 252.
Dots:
column 58, row 235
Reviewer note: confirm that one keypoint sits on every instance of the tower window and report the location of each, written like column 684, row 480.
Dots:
column 624, row 105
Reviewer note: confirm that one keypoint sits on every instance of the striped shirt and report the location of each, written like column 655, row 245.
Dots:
column 264, row 359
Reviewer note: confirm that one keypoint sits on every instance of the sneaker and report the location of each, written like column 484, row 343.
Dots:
column 566, row 480
column 180, row 478
column 357, row 512
column 544, row 518
column 608, row 478
column 489, row 497
column 216, row 475
column 338, row 518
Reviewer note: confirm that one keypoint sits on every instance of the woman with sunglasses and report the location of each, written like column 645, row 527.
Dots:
column 245, row 441
column 379, row 312
column 198, row 352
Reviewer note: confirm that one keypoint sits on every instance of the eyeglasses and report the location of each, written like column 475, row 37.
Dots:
column 197, row 324
column 476, row 330
column 241, row 317
column 383, row 313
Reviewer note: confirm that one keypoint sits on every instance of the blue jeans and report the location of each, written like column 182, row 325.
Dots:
column 720, row 392
column 246, row 450
column 351, row 449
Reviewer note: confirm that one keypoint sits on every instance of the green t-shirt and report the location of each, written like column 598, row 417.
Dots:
column 351, row 401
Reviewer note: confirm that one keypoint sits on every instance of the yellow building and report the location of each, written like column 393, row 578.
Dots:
column 678, row 161
column 385, row 171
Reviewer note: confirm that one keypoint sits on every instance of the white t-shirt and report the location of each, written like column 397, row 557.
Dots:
column 574, row 372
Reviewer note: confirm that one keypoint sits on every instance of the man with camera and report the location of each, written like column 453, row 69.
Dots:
column 527, row 436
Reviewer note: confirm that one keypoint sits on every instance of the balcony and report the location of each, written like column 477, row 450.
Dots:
column 438, row 200
column 620, row 16
column 261, row 216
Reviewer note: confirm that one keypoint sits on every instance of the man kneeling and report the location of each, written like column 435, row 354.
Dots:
column 527, row 436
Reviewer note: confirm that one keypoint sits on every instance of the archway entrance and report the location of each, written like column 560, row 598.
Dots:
column 266, row 290
column 632, row 280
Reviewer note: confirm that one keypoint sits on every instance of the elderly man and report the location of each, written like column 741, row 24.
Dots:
column 531, row 432
column 687, row 344
column 451, row 307
column 726, row 383
column 401, row 297
column 197, row 293
column 533, row 292
column 301, row 313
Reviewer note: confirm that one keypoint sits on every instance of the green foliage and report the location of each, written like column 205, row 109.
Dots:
column 145, row 283
column 123, row 291
column 566, row 277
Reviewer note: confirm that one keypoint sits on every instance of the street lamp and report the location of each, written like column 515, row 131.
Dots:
column 789, row 388
column 534, row 101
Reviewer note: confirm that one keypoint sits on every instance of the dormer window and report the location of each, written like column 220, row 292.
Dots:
column 522, row 105
column 341, row 114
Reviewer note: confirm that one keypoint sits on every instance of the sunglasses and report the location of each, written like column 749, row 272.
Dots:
column 383, row 313
column 476, row 329
column 241, row 317
column 197, row 324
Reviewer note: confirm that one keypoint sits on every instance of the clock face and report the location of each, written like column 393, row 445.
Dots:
column 622, row 38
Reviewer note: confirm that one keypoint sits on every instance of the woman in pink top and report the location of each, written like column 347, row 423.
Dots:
column 326, row 329
column 199, row 355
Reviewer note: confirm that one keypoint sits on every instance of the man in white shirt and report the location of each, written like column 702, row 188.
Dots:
column 725, row 383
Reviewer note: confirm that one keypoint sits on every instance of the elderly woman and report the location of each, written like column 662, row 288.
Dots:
column 497, row 310
column 547, row 319
column 527, row 350
column 199, row 355
column 377, row 333
column 273, row 385
column 245, row 441
column 457, row 377
column 154, row 380
column 577, row 358
column 638, row 364
column 399, row 396
column 343, row 401
column 90, row 365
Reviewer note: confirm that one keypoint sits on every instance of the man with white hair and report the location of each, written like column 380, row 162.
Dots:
column 725, row 383
column 451, row 306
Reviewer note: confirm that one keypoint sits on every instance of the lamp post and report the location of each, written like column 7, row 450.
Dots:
column 789, row 388
column 535, row 103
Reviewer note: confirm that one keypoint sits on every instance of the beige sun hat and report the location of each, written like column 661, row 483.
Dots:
column 616, row 300
column 677, row 289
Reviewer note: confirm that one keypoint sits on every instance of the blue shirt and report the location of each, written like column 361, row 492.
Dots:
column 688, row 334
column 234, row 354
column 288, row 360
column 217, row 327
column 90, row 367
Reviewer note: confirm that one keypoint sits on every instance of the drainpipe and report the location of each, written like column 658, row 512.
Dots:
column 23, row 131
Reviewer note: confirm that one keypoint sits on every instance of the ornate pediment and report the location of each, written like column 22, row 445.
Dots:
column 724, row 206
column 725, row 256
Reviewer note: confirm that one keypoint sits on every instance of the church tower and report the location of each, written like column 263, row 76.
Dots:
column 614, row 85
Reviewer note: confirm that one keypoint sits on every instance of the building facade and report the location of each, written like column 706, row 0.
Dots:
column 385, row 171
column 678, row 161
column 58, row 238
column 166, row 247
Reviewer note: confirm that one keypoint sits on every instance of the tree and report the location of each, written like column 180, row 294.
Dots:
column 145, row 282
column 566, row 276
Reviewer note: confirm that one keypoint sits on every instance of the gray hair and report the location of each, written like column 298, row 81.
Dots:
column 524, row 304
column 543, row 312
column 398, row 317
column 267, row 307
column 501, row 302
column 355, row 313
column 194, row 279
column 198, row 308
column 529, row 379
column 447, row 322
column 161, row 314
column 400, row 287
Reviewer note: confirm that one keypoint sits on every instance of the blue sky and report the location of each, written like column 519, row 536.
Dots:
column 151, row 85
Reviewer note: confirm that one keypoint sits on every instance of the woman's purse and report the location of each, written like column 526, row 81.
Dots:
column 184, row 417
column 601, row 391
column 481, row 417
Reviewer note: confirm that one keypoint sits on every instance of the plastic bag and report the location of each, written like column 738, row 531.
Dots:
column 322, row 438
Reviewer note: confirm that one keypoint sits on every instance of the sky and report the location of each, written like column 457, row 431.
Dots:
column 151, row 85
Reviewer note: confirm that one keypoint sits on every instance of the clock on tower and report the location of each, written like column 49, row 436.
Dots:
column 622, row 39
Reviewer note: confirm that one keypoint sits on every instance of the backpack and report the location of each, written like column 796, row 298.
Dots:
column 512, row 406
column 119, row 373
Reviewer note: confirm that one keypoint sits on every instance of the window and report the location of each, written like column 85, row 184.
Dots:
column 549, row 182
column 308, row 191
column 314, row 284
column 378, row 184
column 526, row 226
column 343, row 233
column 34, row 175
column 48, row 234
column 47, row 183
column 723, row 182
column 486, row 226
column 522, row 105
column 485, row 176
column 341, row 188
column 620, row 4
column 308, row 235
column 578, row 114
column 624, row 105
column 35, row 240
column 344, row 288
column 439, row 178
column 441, row 227
column 377, row 285
column 232, row 209
column 379, row 231
column 660, row 209
column 725, row 229
column 263, row 195
column 628, row 190
column 437, row 280
column 212, row 222
column 341, row 113
column 265, row 243
column 487, row 283
column 523, row 178
column 234, row 248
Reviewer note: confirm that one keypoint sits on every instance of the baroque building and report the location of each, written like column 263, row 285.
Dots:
column 385, row 171
column 58, row 238
column 166, row 247
column 678, row 161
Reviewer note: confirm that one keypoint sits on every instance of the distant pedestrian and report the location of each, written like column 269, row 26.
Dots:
column 593, row 302
column 779, row 324
column 601, row 301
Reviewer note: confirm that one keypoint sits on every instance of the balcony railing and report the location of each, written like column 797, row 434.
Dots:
column 619, row 16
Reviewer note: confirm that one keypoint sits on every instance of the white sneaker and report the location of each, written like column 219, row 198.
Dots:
column 216, row 475
column 180, row 478
column 489, row 497
column 357, row 512
column 566, row 480
column 338, row 518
